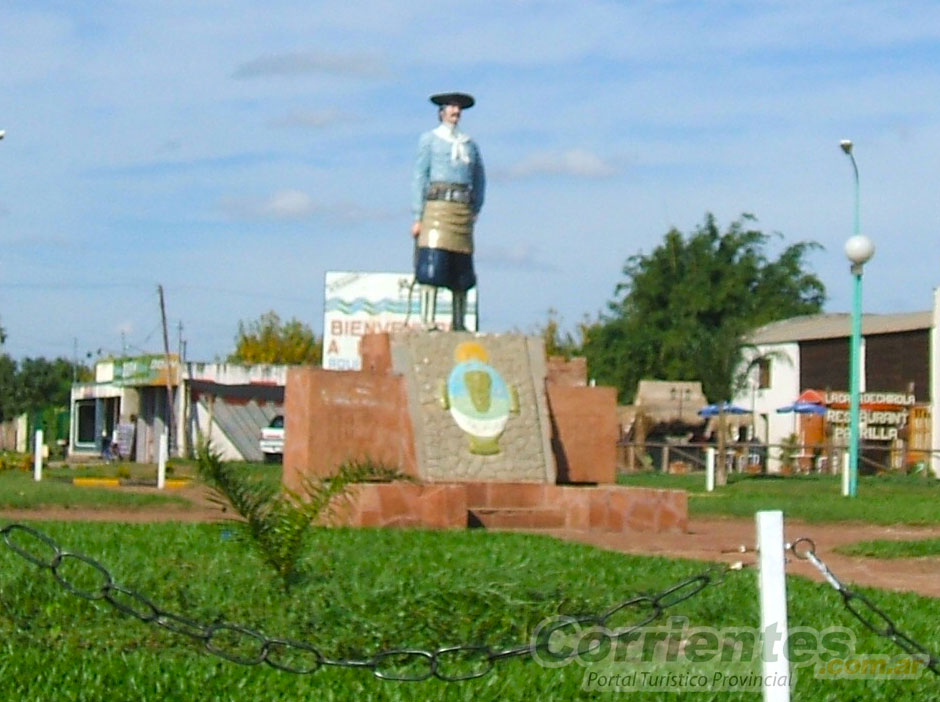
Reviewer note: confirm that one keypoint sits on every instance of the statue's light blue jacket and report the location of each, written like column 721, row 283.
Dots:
column 434, row 164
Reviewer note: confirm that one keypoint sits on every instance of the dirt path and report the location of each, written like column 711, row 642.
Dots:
column 717, row 539
column 711, row 539
column 200, row 509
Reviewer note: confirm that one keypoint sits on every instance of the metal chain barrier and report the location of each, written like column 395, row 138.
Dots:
column 863, row 609
column 245, row 646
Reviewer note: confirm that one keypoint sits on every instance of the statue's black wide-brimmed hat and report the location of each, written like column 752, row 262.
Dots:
column 461, row 100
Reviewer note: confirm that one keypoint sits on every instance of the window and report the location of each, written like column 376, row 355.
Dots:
column 85, row 422
column 763, row 373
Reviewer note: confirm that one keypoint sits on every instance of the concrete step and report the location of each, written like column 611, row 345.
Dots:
column 516, row 518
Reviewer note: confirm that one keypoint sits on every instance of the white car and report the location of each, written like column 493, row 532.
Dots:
column 272, row 440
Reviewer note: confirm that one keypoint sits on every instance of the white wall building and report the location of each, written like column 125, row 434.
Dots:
column 127, row 402
column 899, row 357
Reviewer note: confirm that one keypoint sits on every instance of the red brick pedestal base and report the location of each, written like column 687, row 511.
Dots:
column 514, row 506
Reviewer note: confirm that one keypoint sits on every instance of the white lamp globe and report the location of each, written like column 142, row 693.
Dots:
column 859, row 249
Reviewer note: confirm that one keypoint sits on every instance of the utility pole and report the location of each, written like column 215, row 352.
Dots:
column 185, row 410
column 169, row 380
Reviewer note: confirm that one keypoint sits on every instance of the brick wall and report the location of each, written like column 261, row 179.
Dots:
column 585, row 430
column 563, row 371
column 331, row 417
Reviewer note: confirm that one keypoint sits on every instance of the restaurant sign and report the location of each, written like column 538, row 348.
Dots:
column 881, row 414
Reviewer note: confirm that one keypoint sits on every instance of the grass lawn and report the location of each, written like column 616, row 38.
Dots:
column 884, row 548
column 143, row 472
column 887, row 499
column 368, row 590
column 18, row 490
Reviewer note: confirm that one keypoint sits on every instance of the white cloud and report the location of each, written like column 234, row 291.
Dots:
column 310, row 119
column 309, row 63
column 292, row 204
column 573, row 162
column 282, row 205
column 288, row 204
column 519, row 257
column 351, row 213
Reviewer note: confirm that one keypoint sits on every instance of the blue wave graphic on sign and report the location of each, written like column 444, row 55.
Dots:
column 361, row 304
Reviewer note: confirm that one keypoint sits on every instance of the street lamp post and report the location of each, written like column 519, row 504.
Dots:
column 859, row 249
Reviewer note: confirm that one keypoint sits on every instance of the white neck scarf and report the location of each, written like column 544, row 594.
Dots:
column 458, row 142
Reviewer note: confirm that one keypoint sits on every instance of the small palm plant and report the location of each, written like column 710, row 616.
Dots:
column 789, row 450
column 278, row 521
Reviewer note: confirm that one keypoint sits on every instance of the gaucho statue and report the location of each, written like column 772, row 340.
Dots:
column 447, row 195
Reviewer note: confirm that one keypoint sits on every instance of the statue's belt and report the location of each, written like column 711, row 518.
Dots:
column 449, row 192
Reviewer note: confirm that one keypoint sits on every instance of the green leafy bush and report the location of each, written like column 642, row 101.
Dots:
column 15, row 461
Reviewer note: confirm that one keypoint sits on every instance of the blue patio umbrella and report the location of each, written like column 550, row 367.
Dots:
column 802, row 408
column 721, row 407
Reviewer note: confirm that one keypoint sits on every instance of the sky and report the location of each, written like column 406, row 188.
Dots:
column 233, row 152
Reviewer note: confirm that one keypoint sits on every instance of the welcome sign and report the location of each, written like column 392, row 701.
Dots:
column 359, row 303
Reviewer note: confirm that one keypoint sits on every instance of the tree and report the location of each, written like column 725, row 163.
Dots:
column 34, row 384
column 268, row 340
column 8, row 404
column 558, row 342
column 44, row 383
column 685, row 309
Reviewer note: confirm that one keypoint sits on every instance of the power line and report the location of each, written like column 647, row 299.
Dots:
column 243, row 293
column 70, row 286
column 260, row 295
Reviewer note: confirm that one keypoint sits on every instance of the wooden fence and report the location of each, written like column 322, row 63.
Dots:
column 786, row 459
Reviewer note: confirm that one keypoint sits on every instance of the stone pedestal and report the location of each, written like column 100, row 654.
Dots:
column 453, row 407
column 454, row 423
column 526, row 506
column 493, row 435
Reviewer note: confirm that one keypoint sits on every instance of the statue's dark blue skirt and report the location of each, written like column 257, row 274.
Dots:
column 445, row 269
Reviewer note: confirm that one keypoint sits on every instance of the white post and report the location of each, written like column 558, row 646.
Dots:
column 773, row 606
column 934, row 365
column 710, row 469
column 161, row 461
column 37, row 456
column 845, row 474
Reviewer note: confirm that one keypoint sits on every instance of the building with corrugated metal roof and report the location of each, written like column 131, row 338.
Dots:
column 126, row 407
